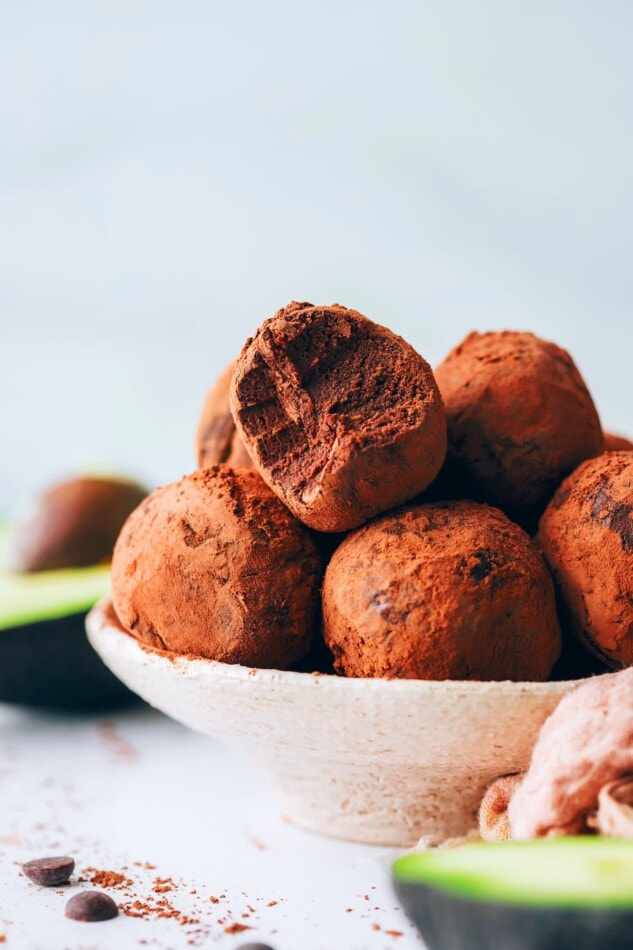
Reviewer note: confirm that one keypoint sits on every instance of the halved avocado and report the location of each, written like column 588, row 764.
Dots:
column 549, row 894
column 45, row 657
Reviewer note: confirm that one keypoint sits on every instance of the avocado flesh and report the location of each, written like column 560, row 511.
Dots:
column 552, row 872
column 45, row 657
column 550, row 894
column 29, row 598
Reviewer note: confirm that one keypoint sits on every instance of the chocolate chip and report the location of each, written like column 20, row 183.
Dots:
column 49, row 872
column 91, row 906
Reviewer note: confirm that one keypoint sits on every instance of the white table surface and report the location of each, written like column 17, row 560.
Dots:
column 121, row 791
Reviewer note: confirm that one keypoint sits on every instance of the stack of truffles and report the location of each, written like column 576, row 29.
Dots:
column 416, row 524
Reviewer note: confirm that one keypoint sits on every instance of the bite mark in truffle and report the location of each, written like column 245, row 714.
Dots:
column 342, row 417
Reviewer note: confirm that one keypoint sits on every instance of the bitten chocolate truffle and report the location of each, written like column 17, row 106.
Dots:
column 617, row 443
column 217, row 441
column 520, row 419
column 342, row 417
column 215, row 566
column 586, row 534
column 448, row 590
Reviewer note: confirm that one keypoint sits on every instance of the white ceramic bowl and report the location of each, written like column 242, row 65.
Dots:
column 379, row 761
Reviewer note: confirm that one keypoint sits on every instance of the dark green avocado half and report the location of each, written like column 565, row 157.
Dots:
column 550, row 894
column 45, row 657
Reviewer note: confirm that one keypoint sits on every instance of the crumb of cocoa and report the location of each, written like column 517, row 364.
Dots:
column 11, row 839
column 162, row 885
column 112, row 879
column 214, row 900
column 375, row 926
column 272, row 903
column 118, row 745
column 236, row 928
column 258, row 844
column 348, row 910
column 394, row 933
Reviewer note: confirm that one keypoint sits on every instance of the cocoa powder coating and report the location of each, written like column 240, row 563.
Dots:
column 586, row 534
column 520, row 418
column 617, row 443
column 342, row 418
column 215, row 566
column 447, row 590
column 217, row 441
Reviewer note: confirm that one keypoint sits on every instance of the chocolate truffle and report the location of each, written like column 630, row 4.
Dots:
column 617, row 443
column 215, row 566
column 520, row 418
column 586, row 534
column 342, row 417
column 73, row 524
column 217, row 442
column 448, row 590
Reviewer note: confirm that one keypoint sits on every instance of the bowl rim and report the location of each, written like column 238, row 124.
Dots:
column 102, row 624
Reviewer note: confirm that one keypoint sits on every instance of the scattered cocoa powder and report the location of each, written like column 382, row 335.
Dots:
column 162, row 885
column 236, row 928
column 117, row 744
column 107, row 878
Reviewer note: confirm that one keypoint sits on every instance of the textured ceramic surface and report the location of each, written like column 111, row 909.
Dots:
column 379, row 761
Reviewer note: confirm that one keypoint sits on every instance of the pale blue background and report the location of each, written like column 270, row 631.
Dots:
column 171, row 173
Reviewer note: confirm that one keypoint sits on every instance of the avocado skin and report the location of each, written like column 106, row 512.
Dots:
column 448, row 922
column 51, row 664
